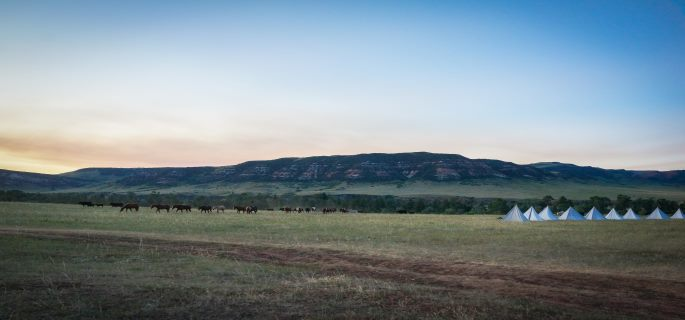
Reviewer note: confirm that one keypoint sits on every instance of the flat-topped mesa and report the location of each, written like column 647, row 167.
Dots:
column 369, row 168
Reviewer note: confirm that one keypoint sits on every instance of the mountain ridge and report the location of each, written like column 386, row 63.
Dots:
column 360, row 168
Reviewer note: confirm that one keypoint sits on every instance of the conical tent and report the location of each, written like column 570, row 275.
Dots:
column 678, row 215
column 547, row 214
column 571, row 214
column 657, row 214
column 631, row 215
column 515, row 215
column 594, row 214
column 613, row 215
column 532, row 215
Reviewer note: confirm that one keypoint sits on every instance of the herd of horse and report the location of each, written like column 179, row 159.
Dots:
column 125, row 207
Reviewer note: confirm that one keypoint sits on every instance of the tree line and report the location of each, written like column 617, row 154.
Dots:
column 362, row 203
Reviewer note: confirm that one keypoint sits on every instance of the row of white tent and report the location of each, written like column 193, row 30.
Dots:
column 571, row 214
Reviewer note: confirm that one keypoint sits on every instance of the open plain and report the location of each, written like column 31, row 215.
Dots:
column 68, row 261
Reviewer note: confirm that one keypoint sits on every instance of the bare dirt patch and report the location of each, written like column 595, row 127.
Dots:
column 646, row 297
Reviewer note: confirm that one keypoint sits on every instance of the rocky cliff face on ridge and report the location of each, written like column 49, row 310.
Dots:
column 374, row 167
column 362, row 168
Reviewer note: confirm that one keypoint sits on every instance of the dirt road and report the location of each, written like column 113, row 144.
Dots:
column 646, row 297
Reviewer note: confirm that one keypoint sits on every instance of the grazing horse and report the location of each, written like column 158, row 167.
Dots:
column 116, row 204
column 160, row 207
column 130, row 207
column 86, row 203
column 207, row 209
column 240, row 209
column 217, row 208
column 251, row 209
column 182, row 207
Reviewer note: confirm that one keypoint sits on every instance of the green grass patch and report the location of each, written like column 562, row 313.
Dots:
column 643, row 248
column 66, row 279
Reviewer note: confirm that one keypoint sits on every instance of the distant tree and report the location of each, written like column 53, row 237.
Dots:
column 546, row 201
column 477, row 208
column 562, row 204
column 420, row 205
column 601, row 203
column 644, row 206
column 623, row 202
column 667, row 205
column 498, row 206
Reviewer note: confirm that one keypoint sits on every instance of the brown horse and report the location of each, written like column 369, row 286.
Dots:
column 251, row 209
column 182, row 207
column 205, row 209
column 130, row 207
column 240, row 209
column 160, row 207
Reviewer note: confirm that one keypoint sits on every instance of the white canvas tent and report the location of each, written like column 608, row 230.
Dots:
column 657, row 214
column 678, row 215
column 532, row 215
column 594, row 214
column 613, row 215
column 515, row 215
column 571, row 215
column 631, row 215
column 547, row 214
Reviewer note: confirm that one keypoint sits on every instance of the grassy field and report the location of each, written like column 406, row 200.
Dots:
column 320, row 266
column 508, row 189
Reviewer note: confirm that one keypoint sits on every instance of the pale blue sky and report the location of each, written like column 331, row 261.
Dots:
column 162, row 83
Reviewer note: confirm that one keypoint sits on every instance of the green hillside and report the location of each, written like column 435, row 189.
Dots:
column 509, row 189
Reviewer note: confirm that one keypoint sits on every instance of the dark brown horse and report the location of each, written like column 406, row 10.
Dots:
column 251, row 209
column 205, row 209
column 86, row 203
column 160, row 207
column 130, row 207
column 100, row 205
column 240, row 209
column 182, row 207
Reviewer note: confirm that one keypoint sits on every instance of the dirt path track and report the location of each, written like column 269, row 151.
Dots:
column 652, row 298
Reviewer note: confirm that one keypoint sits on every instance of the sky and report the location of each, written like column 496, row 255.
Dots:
column 194, row 83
